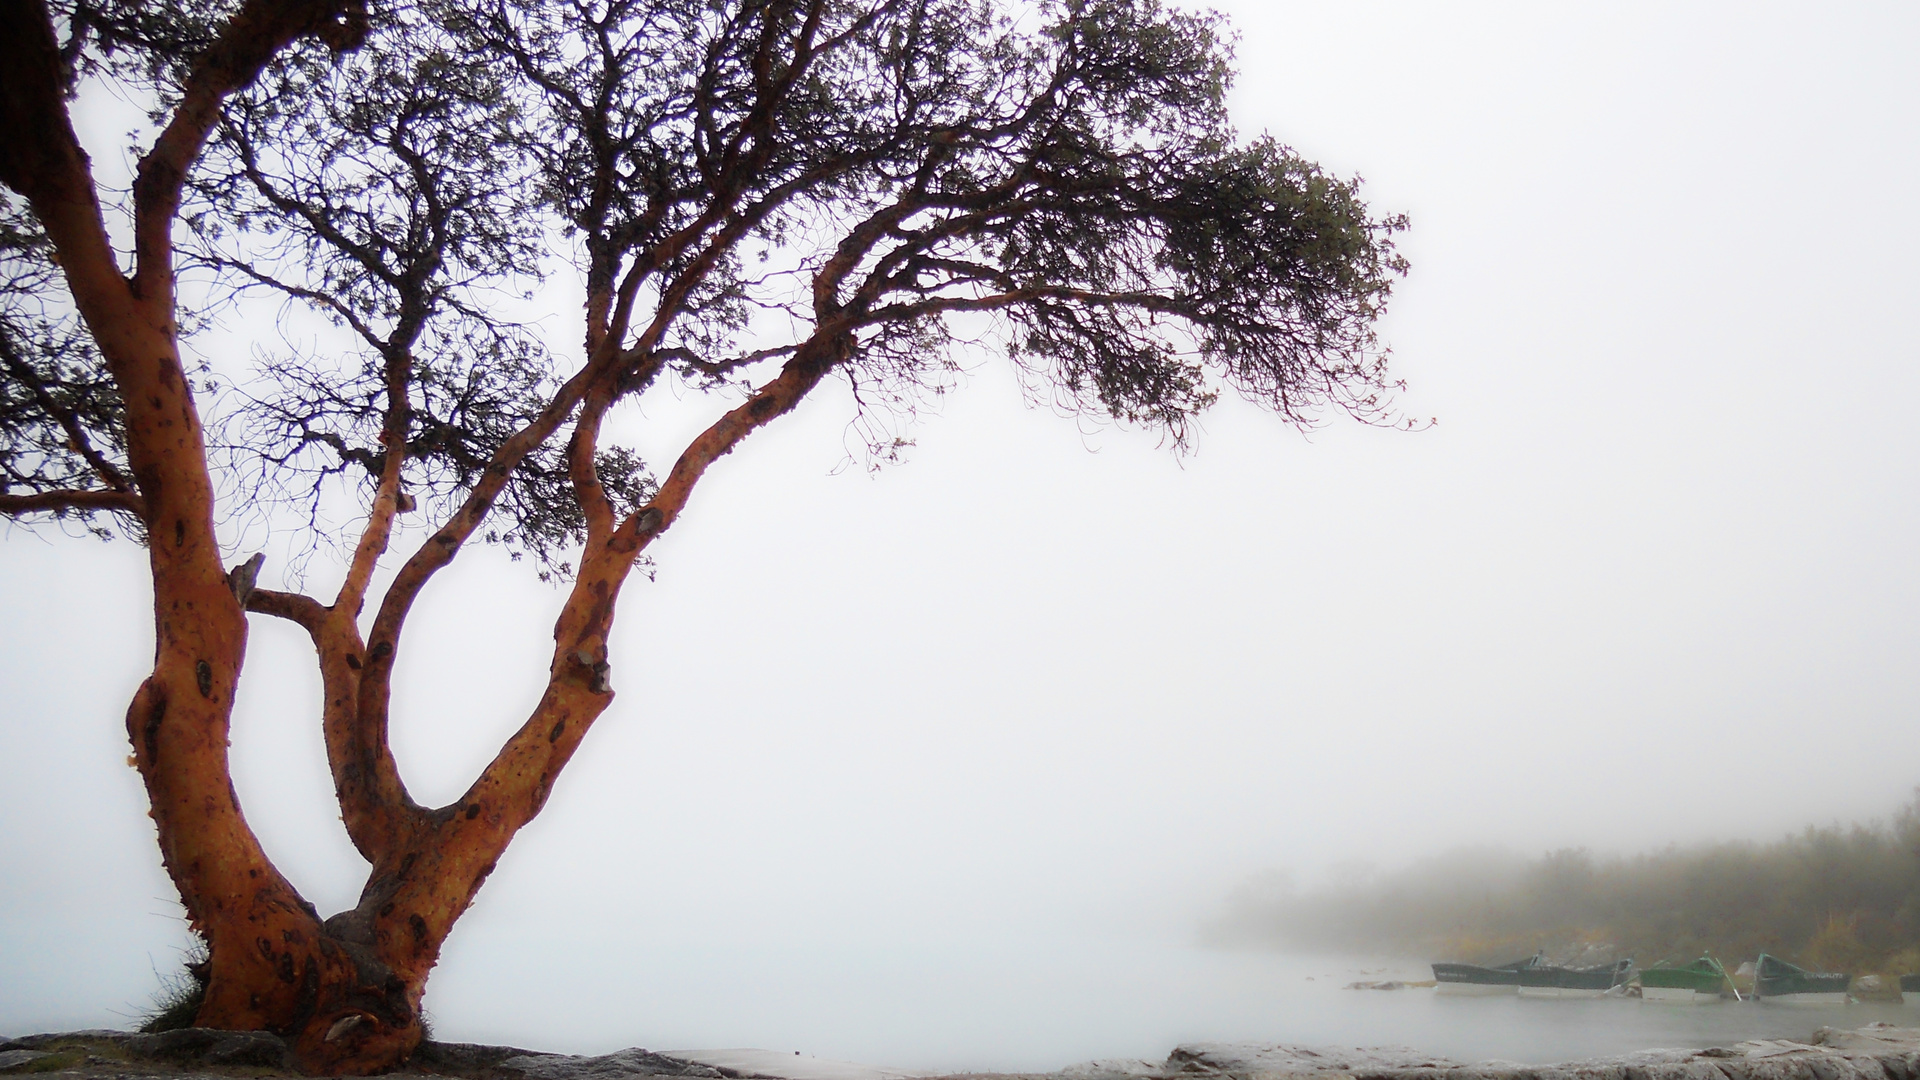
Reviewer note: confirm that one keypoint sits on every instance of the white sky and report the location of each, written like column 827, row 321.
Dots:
column 1651, row 578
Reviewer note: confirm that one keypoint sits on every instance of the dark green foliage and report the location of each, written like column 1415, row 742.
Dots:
column 871, row 181
column 140, row 40
column 382, row 189
column 60, row 419
column 1843, row 898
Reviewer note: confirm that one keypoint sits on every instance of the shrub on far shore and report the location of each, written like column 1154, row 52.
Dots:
column 1839, row 898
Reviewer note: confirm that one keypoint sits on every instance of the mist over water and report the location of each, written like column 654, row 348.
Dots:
column 1042, row 1004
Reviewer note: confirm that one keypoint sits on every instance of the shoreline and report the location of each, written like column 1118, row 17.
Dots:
column 1873, row 1052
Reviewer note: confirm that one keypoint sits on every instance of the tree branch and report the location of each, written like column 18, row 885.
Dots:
column 125, row 502
column 65, row 417
column 251, row 38
column 718, row 368
column 297, row 608
column 514, row 786
column 41, row 158
column 810, row 363
column 315, row 297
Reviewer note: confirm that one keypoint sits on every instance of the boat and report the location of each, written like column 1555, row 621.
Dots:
column 1910, row 989
column 1702, row 981
column 1777, row 982
column 1547, row 981
column 1472, row 979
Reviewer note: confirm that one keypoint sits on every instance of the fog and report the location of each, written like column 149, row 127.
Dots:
column 1843, row 900
column 1043, row 695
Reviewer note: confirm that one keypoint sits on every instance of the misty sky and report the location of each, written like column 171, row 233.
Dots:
column 1651, row 577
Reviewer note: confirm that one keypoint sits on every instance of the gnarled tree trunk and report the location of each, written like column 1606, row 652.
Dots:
column 1083, row 230
column 274, row 965
column 344, row 991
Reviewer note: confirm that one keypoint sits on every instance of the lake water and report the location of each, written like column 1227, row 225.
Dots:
column 1042, row 1005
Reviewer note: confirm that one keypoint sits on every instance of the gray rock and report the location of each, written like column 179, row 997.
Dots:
column 462, row 1058
column 752, row 1061
column 1874, row 1052
column 48, row 1038
column 1291, row 1059
column 1876, row 1038
column 1769, row 1048
column 621, row 1063
column 1110, row 1069
column 12, row 1058
column 207, row 1046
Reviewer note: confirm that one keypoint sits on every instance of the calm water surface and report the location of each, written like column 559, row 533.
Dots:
column 1042, row 1005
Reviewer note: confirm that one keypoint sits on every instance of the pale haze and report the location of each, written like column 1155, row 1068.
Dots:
column 1050, row 691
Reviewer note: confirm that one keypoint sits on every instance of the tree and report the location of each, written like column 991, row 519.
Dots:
column 759, row 195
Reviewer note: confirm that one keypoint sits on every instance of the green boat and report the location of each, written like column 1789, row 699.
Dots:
column 1475, row 979
column 1776, row 981
column 1689, row 984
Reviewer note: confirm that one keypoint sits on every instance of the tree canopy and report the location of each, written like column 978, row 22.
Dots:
column 866, row 173
column 748, row 197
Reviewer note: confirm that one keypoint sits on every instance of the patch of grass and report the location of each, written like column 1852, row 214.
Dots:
column 93, row 1048
column 180, row 995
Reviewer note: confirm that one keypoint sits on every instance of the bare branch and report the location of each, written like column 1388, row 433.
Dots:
column 301, row 610
column 57, row 502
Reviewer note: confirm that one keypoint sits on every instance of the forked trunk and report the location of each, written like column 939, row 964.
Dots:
column 324, row 987
column 274, row 966
column 345, row 993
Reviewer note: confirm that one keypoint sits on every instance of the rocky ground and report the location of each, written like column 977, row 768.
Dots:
column 1874, row 1052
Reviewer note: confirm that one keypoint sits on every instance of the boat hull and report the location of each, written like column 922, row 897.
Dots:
column 1696, row 983
column 1781, row 983
column 1473, row 980
column 1678, row 995
column 1810, row 997
column 1467, row 989
column 1562, row 991
column 1544, row 981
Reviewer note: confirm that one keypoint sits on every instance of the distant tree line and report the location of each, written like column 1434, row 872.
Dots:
column 1840, row 898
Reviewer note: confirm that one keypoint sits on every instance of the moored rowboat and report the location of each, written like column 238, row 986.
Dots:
column 1472, row 979
column 1543, row 981
column 1777, row 982
column 1691, row 984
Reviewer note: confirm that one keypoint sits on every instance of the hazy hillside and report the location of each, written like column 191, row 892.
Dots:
column 1837, row 898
